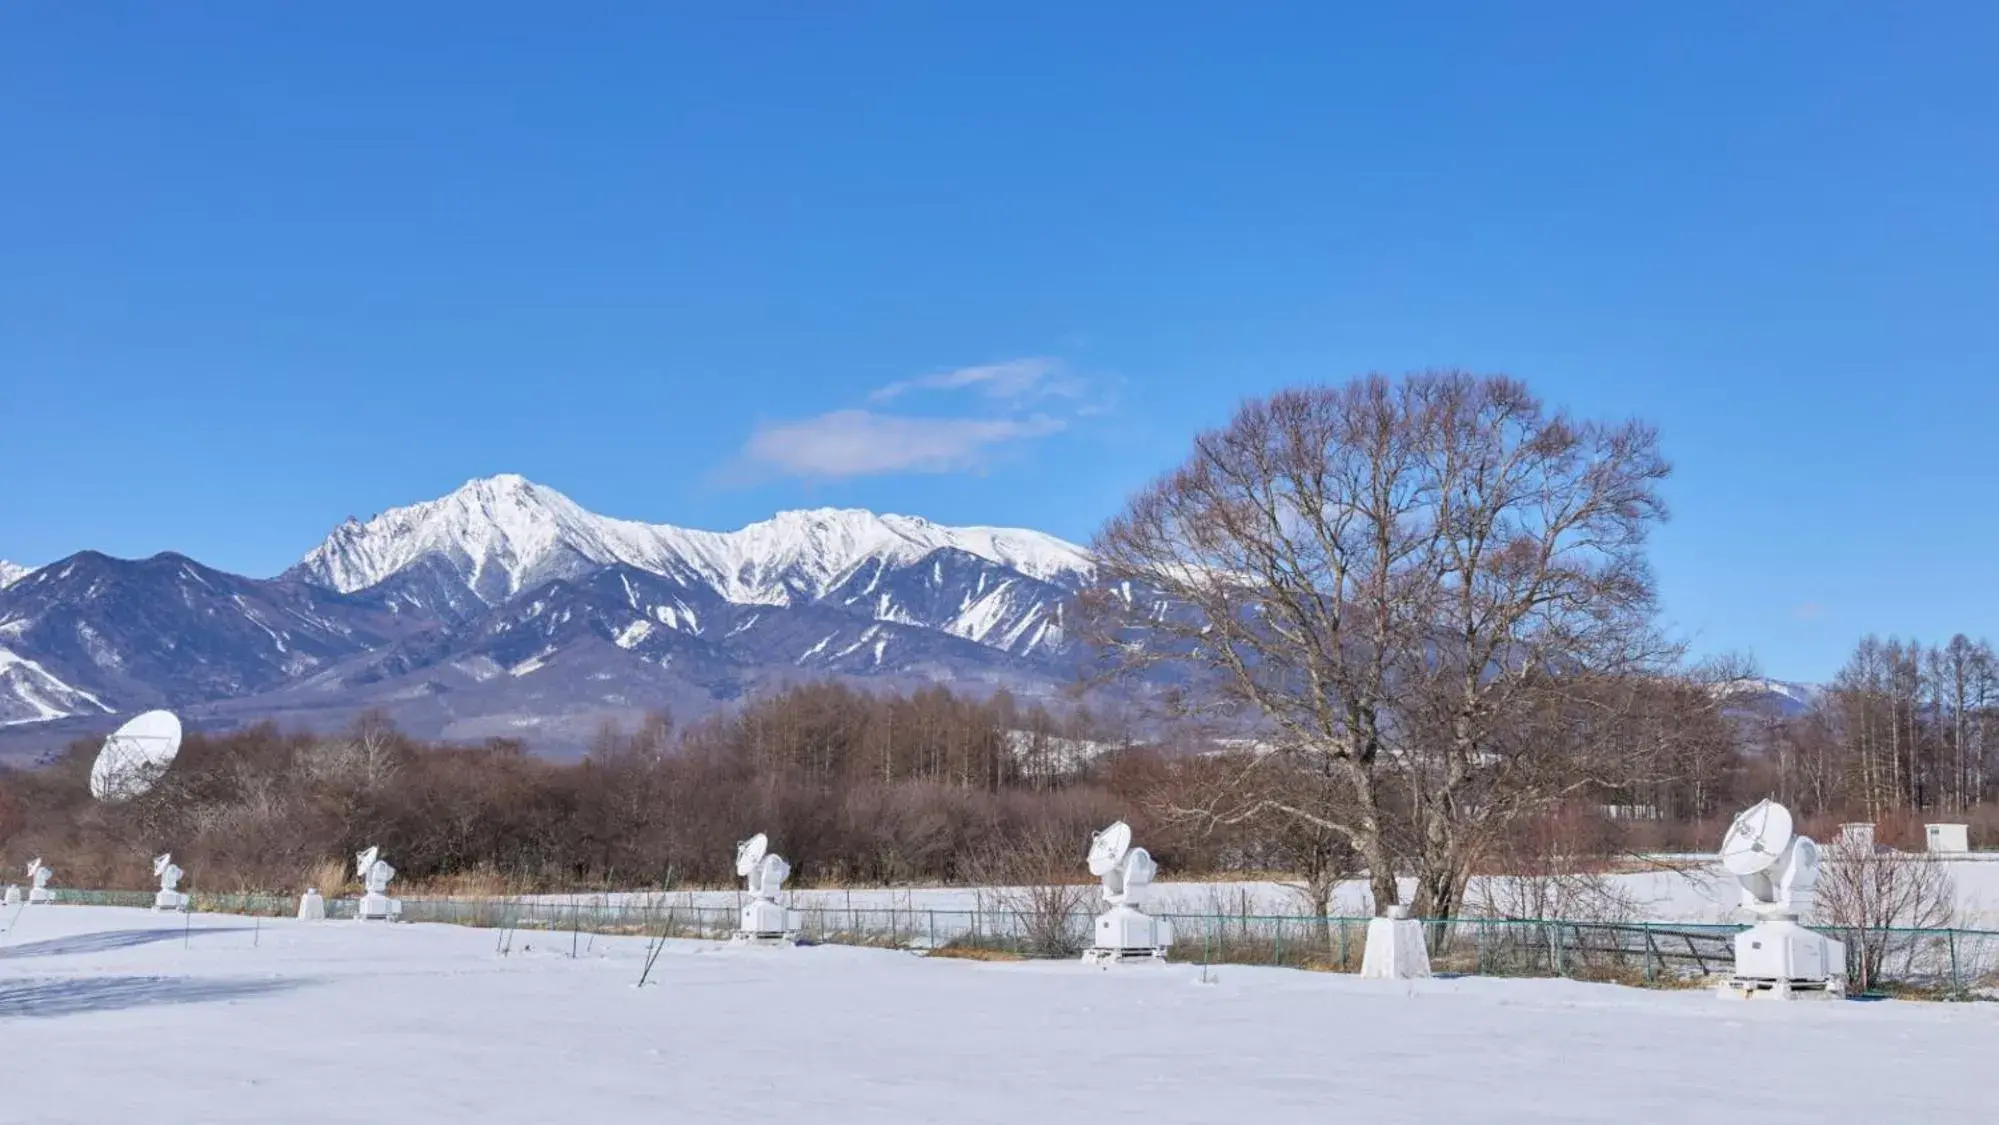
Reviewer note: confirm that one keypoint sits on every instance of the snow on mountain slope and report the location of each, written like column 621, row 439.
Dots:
column 1781, row 697
column 505, row 534
column 11, row 573
column 30, row 693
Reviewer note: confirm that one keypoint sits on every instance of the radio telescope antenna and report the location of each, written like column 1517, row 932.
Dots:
column 135, row 756
column 1778, row 871
column 39, row 875
column 751, row 852
column 1108, row 848
column 169, row 875
column 375, row 873
column 1124, row 932
column 764, row 920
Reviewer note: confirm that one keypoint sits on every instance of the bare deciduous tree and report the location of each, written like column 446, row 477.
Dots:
column 1401, row 580
column 1867, row 893
column 1033, row 876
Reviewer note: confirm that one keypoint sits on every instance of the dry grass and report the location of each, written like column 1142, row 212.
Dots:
column 975, row 953
column 481, row 882
column 328, row 877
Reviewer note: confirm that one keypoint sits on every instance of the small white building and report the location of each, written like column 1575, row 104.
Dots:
column 1948, row 839
column 1857, row 836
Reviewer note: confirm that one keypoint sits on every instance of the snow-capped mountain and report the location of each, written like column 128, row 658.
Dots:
column 507, row 609
column 1767, row 697
column 11, row 573
column 118, row 634
column 504, row 534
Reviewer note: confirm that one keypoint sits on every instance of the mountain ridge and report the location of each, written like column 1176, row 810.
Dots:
column 511, row 533
column 505, row 607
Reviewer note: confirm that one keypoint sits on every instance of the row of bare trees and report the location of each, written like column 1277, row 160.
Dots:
column 1906, row 730
column 856, row 787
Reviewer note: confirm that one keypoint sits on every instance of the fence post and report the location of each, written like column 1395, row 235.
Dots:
column 1277, row 949
column 1648, row 953
column 1343, row 945
column 1956, row 982
column 933, row 930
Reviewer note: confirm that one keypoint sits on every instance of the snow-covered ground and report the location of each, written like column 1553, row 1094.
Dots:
column 118, row 1015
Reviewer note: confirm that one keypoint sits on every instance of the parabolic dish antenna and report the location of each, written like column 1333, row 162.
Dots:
column 751, row 852
column 363, row 861
column 1108, row 848
column 1757, row 839
column 135, row 756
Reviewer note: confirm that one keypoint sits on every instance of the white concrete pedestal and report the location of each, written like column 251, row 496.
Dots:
column 1395, row 949
column 1124, row 933
column 12, row 896
column 1779, row 959
column 40, row 896
column 170, row 901
column 378, row 907
column 311, row 907
column 765, row 922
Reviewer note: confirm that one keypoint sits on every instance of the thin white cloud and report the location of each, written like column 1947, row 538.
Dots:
column 1809, row 611
column 856, row 443
column 1015, row 380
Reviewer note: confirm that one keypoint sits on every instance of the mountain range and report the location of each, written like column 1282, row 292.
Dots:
column 506, row 609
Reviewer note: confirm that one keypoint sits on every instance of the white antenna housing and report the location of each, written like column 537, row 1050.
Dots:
column 1778, row 871
column 375, row 873
column 39, row 875
column 135, row 756
column 1124, row 932
column 170, row 897
column 764, row 921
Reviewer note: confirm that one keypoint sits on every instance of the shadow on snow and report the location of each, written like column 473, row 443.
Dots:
column 108, row 941
column 52, row 998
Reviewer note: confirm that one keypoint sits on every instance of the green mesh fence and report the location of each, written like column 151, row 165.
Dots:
column 1937, row 963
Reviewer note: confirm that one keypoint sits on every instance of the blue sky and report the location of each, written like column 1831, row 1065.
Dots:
column 266, row 266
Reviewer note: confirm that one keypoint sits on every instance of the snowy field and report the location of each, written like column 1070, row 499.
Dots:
column 113, row 1015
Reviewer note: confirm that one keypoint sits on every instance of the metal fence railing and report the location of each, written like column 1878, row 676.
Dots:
column 1940, row 962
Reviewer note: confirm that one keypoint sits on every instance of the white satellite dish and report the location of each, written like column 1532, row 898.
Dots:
column 1779, row 873
column 169, row 874
column 39, row 875
column 135, row 756
column 764, row 920
column 375, row 873
column 751, row 852
column 1757, row 840
column 1125, row 932
column 1109, row 847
